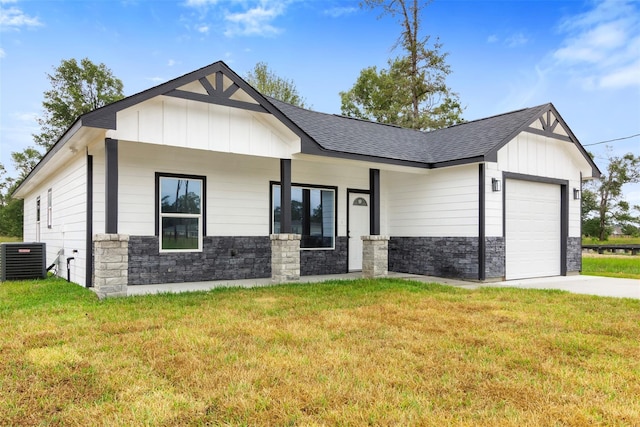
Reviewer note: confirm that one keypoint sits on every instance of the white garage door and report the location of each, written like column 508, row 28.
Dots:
column 532, row 229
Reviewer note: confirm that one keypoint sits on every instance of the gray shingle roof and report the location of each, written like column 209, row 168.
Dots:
column 464, row 141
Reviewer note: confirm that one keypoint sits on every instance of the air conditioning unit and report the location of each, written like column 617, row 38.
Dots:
column 21, row 261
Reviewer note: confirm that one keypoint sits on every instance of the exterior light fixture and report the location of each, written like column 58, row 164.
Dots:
column 496, row 184
column 576, row 194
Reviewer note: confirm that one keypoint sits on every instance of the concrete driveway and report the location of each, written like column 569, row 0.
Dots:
column 590, row 285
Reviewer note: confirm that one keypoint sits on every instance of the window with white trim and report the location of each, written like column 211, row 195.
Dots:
column 180, row 212
column 49, row 210
column 313, row 215
column 38, row 219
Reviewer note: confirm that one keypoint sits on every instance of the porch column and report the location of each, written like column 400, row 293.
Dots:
column 285, row 257
column 285, row 195
column 375, row 248
column 111, row 186
column 374, row 199
column 375, row 256
column 285, row 247
column 111, row 265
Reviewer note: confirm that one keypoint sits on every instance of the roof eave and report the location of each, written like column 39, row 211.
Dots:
column 70, row 133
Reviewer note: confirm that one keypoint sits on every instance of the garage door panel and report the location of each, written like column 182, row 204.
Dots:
column 532, row 229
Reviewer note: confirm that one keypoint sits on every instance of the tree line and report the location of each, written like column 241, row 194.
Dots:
column 411, row 92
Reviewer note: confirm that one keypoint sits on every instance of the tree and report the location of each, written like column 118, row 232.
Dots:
column 602, row 203
column 412, row 92
column 270, row 84
column 10, row 208
column 76, row 89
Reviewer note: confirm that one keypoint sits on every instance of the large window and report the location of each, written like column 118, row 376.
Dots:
column 180, row 219
column 313, row 215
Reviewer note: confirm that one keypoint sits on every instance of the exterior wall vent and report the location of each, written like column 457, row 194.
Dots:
column 21, row 261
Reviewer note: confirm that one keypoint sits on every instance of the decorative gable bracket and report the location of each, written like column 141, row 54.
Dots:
column 549, row 125
column 216, row 95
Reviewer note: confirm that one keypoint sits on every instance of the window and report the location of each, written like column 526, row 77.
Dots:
column 38, row 219
column 313, row 215
column 49, row 212
column 180, row 207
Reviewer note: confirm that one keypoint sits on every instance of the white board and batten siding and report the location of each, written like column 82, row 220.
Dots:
column 436, row 203
column 68, row 217
column 191, row 124
column 238, row 191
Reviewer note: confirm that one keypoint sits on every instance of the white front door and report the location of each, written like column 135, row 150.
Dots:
column 358, row 226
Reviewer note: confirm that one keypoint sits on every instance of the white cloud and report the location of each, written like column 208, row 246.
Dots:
column 255, row 21
column 2, row 53
column 239, row 17
column 602, row 46
column 24, row 117
column 622, row 77
column 492, row 38
column 336, row 12
column 13, row 18
column 516, row 40
column 171, row 62
column 156, row 79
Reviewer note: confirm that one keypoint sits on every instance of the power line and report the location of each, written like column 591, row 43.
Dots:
column 612, row 140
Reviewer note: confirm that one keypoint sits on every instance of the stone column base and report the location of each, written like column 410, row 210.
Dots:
column 285, row 257
column 110, row 265
column 375, row 256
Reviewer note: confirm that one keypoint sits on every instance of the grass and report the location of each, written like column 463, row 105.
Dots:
column 612, row 241
column 4, row 239
column 621, row 266
column 386, row 352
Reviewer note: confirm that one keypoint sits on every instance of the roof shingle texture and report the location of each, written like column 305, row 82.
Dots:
column 463, row 141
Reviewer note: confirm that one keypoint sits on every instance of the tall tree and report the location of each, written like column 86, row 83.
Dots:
column 10, row 208
column 603, row 203
column 412, row 92
column 269, row 83
column 76, row 89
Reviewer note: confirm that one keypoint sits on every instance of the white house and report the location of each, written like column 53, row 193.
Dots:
column 193, row 177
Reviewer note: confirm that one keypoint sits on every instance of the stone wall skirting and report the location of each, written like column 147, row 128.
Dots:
column 495, row 257
column 221, row 258
column 110, row 263
column 455, row 257
column 574, row 254
column 314, row 262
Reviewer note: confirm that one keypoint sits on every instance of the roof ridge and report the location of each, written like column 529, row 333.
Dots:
column 537, row 107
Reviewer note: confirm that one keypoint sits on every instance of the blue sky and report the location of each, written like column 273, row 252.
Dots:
column 584, row 56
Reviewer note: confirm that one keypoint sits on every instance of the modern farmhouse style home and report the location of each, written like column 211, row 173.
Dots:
column 204, row 178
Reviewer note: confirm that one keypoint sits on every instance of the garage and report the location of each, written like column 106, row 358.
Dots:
column 532, row 229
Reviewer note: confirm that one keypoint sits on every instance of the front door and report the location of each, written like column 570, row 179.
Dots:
column 358, row 226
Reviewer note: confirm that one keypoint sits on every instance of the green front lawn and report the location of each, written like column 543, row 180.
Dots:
column 384, row 352
column 622, row 266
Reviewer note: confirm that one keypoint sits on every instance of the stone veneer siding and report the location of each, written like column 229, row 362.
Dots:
column 321, row 261
column 455, row 257
column 574, row 254
column 494, row 259
column 222, row 258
